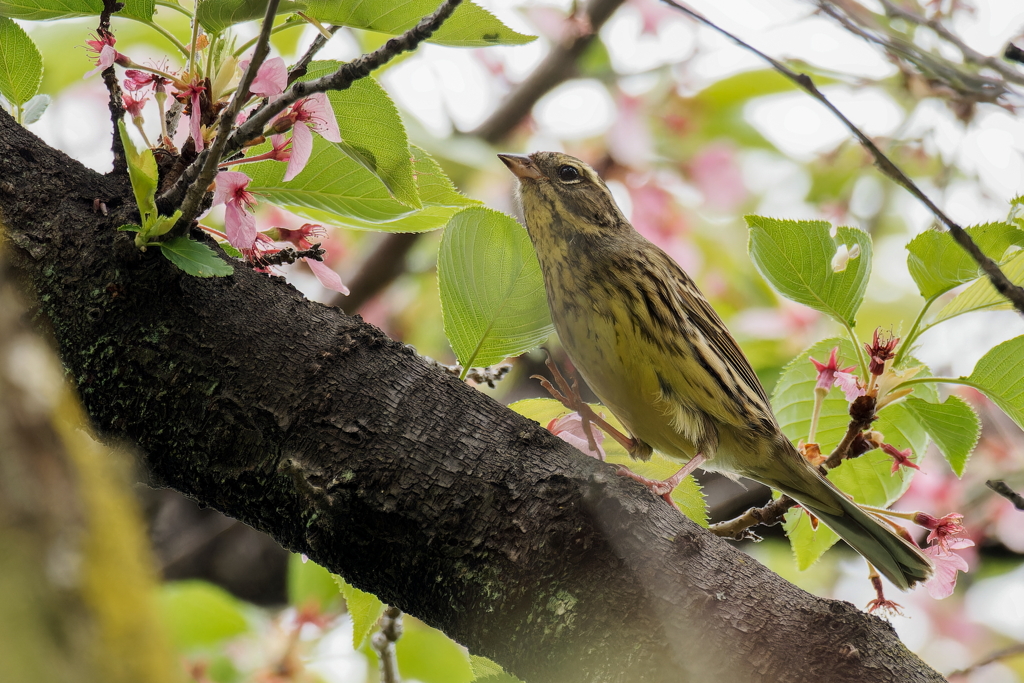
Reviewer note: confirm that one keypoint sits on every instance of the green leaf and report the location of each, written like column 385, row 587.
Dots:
column 194, row 258
column 425, row 654
column 469, row 25
column 43, row 10
column 217, row 15
column 34, row 108
column 953, row 426
column 21, row 66
column 161, row 226
column 308, row 582
column 492, row 292
column 199, row 614
column 128, row 227
column 998, row 374
column 796, row 258
column 483, row 667
column 372, row 132
column 981, row 295
column 688, row 495
column 138, row 9
column 937, row 263
column 336, row 190
column 142, row 172
column 364, row 608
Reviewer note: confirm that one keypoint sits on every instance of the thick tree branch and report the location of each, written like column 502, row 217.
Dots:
column 1002, row 284
column 346, row 446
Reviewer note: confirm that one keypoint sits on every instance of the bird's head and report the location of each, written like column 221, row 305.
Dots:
column 562, row 191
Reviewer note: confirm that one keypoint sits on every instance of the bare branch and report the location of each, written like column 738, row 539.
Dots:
column 999, row 280
column 1004, row 490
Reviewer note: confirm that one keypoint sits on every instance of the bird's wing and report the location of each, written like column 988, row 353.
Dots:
column 739, row 375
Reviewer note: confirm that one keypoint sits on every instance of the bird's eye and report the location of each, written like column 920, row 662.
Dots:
column 568, row 174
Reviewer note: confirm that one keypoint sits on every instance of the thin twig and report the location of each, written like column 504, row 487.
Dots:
column 1004, row 490
column 383, row 643
column 969, row 54
column 972, row 85
column 198, row 186
column 769, row 515
column 339, row 80
column 299, row 70
column 115, row 104
column 999, row 280
column 1004, row 653
column 862, row 414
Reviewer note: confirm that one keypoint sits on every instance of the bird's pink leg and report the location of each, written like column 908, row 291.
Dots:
column 664, row 487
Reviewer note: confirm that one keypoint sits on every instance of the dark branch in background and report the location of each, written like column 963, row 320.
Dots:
column 970, row 54
column 999, row 280
column 339, row 80
column 114, row 103
column 1005, row 653
column 387, row 261
column 1004, row 490
column 383, row 643
column 299, row 70
column 198, row 187
column 1014, row 53
column 871, row 27
column 558, row 66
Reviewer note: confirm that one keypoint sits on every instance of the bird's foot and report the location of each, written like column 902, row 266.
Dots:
column 568, row 394
column 663, row 488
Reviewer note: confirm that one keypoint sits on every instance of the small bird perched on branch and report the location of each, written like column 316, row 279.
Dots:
column 661, row 360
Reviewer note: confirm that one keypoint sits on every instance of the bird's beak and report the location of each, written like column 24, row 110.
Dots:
column 521, row 165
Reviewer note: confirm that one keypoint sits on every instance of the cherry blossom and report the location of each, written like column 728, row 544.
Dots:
column 900, row 458
column 941, row 529
column 271, row 78
column 947, row 564
column 880, row 349
column 316, row 112
column 827, row 371
column 192, row 93
column 102, row 50
column 239, row 222
column 570, row 429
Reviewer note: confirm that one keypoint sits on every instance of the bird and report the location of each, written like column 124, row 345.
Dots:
column 659, row 357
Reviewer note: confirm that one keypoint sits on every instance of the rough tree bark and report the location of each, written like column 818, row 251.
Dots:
column 346, row 446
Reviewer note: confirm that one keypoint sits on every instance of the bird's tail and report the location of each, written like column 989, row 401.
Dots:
column 895, row 557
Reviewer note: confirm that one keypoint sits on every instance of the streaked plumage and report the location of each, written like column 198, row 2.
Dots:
column 659, row 357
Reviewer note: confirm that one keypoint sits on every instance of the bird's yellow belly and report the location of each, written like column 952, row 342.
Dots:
column 622, row 368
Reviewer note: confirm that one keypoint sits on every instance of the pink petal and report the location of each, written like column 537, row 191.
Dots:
column 105, row 60
column 326, row 275
column 240, row 226
column 271, row 78
column 570, row 430
column 195, row 119
column 947, row 564
column 848, row 383
column 321, row 114
column 302, row 147
column 228, row 184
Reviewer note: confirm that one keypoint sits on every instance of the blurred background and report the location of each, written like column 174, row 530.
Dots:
column 691, row 132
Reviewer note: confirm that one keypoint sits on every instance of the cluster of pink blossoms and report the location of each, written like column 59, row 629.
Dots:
column 309, row 115
column 944, row 533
